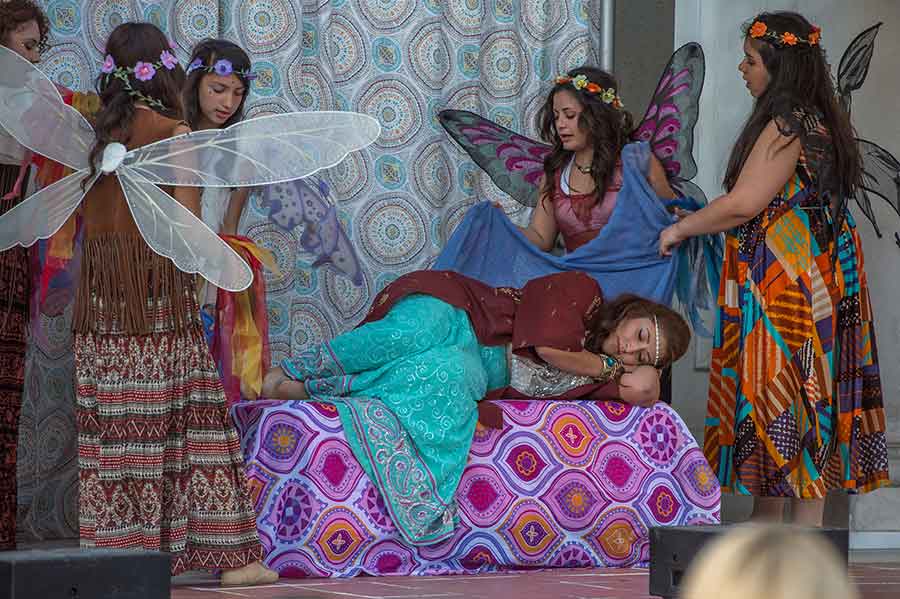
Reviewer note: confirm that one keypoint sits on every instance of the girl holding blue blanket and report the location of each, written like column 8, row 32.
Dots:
column 587, row 126
column 605, row 186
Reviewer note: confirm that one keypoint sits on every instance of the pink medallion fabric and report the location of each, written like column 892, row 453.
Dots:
column 563, row 484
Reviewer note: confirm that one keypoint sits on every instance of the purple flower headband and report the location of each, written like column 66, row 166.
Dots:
column 142, row 71
column 222, row 67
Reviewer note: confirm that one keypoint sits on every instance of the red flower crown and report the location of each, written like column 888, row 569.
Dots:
column 760, row 30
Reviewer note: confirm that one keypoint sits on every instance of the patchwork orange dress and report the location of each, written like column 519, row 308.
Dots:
column 795, row 402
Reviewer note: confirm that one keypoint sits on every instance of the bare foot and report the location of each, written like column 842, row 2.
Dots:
column 247, row 392
column 278, row 385
column 250, row 575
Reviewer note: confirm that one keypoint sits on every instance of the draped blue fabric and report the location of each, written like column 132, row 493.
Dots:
column 622, row 258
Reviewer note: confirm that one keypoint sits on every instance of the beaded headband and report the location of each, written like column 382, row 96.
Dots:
column 142, row 71
column 656, row 355
column 222, row 67
column 580, row 82
column 760, row 30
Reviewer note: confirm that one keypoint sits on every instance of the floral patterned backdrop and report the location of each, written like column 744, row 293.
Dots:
column 399, row 60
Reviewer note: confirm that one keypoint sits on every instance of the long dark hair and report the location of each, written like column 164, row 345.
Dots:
column 608, row 130
column 128, row 44
column 800, row 78
column 674, row 330
column 14, row 13
column 209, row 51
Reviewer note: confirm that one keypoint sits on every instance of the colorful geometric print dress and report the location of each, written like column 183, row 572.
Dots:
column 795, row 402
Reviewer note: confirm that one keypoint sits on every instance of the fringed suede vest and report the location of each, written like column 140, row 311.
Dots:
column 124, row 286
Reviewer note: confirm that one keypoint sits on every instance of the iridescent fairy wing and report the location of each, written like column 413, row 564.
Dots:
column 260, row 151
column 263, row 151
column 854, row 65
column 668, row 124
column 42, row 214
column 33, row 112
column 514, row 162
column 173, row 231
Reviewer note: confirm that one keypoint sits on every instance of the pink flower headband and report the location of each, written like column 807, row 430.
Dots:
column 142, row 71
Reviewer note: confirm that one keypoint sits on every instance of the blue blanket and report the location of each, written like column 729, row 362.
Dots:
column 623, row 258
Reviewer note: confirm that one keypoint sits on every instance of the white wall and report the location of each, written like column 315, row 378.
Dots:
column 876, row 114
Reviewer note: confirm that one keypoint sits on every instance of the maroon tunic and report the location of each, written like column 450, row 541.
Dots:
column 556, row 311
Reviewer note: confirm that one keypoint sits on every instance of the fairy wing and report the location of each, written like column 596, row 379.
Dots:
column 259, row 151
column 668, row 124
column 881, row 169
column 854, row 65
column 514, row 162
column 264, row 151
column 881, row 177
column 43, row 213
column 306, row 201
column 171, row 230
column 33, row 112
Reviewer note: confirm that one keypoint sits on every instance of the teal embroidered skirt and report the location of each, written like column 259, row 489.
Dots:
column 407, row 388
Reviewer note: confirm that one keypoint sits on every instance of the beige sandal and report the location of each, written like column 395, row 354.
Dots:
column 250, row 575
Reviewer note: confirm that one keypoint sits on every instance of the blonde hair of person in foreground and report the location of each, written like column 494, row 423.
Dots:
column 768, row 562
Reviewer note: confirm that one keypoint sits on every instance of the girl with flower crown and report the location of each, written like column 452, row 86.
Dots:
column 588, row 127
column 159, row 458
column 24, row 29
column 218, row 81
column 795, row 401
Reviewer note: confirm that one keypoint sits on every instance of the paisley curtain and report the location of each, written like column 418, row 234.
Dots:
column 398, row 201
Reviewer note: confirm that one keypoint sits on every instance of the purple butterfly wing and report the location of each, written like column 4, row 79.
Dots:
column 337, row 250
column 306, row 201
column 514, row 162
column 668, row 124
column 283, row 204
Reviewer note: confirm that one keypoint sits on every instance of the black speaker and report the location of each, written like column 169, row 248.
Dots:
column 85, row 574
column 672, row 548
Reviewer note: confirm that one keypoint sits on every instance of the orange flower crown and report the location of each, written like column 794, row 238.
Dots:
column 580, row 82
column 760, row 30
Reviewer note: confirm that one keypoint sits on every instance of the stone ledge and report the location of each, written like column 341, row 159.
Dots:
column 878, row 511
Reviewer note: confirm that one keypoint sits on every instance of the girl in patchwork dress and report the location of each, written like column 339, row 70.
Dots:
column 795, row 402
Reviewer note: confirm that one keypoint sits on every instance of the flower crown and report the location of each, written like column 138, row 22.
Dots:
column 222, row 67
column 760, row 30
column 142, row 71
column 581, row 82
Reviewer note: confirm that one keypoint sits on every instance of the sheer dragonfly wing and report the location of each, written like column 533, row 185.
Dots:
column 33, row 112
column 173, row 231
column 43, row 213
column 261, row 151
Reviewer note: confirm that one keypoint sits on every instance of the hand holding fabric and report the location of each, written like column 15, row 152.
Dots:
column 669, row 239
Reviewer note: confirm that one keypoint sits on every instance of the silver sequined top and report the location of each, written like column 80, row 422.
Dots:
column 539, row 379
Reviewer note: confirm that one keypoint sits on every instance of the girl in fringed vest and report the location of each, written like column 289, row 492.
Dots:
column 159, row 459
